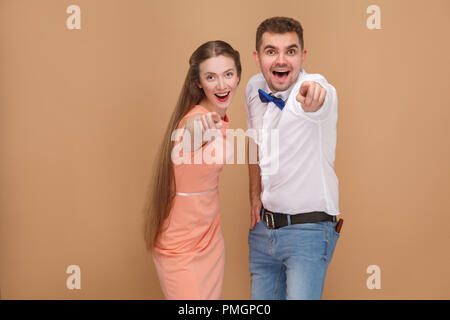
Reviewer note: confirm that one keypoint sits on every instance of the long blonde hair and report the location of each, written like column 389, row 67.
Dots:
column 163, row 186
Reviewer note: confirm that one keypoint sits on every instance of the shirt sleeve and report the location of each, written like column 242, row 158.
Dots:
column 329, row 105
column 249, row 102
column 252, row 106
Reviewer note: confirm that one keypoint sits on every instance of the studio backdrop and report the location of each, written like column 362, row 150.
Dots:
column 86, row 91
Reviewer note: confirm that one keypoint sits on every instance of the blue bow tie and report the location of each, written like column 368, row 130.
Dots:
column 265, row 97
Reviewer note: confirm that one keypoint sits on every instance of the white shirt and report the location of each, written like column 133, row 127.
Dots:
column 297, row 169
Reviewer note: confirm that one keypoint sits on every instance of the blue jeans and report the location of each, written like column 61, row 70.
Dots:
column 290, row 262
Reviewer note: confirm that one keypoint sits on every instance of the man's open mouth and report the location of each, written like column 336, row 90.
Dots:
column 280, row 75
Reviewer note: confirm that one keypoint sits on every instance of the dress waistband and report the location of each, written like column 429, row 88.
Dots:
column 195, row 193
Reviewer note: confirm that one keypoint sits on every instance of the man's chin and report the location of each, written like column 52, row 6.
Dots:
column 285, row 84
column 280, row 86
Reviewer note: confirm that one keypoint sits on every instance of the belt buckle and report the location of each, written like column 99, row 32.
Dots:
column 266, row 216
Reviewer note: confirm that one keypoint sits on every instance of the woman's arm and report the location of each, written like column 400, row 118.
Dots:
column 196, row 126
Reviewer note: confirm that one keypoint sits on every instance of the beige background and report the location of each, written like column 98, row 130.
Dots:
column 82, row 113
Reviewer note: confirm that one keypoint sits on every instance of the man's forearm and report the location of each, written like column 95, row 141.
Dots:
column 254, row 172
column 255, row 181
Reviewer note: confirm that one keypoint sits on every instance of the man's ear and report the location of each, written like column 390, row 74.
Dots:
column 304, row 55
column 256, row 57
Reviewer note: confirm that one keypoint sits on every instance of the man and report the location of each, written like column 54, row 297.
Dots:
column 293, row 209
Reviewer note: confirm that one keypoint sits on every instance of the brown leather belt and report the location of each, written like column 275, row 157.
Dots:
column 275, row 220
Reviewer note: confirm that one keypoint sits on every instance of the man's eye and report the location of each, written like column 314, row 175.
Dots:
column 270, row 52
column 292, row 51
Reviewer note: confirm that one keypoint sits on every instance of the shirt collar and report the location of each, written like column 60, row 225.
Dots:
column 284, row 94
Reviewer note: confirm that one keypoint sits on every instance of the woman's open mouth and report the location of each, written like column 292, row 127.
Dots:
column 222, row 97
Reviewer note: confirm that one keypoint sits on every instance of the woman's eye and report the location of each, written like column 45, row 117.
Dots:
column 229, row 74
column 209, row 77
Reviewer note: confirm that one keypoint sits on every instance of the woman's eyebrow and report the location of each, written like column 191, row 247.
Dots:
column 210, row 72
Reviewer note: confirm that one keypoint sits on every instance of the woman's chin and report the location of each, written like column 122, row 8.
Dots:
column 222, row 106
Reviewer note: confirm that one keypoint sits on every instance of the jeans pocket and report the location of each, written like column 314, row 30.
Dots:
column 307, row 241
column 332, row 241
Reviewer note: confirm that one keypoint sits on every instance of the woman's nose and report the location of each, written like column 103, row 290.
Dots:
column 220, row 83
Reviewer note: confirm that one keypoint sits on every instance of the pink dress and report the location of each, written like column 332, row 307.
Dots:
column 190, row 254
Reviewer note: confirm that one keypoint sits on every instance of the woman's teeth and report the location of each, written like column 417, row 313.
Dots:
column 222, row 95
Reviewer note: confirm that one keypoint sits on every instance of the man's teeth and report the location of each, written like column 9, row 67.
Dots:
column 280, row 73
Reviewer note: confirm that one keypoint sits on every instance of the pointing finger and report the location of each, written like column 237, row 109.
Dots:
column 215, row 116
column 204, row 123
column 217, row 120
column 300, row 98
column 304, row 88
column 210, row 121
column 317, row 92
column 310, row 95
column 323, row 93
column 198, row 124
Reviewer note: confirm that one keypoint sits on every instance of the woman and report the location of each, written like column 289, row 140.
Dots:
column 182, row 218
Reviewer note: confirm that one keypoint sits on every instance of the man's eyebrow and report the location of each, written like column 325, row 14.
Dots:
column 269, row 46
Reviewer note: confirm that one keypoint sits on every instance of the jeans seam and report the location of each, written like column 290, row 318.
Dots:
column 277, row 287
column 327, row 252
column 330, row 236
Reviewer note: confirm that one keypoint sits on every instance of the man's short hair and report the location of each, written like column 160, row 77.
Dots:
column 279, row 25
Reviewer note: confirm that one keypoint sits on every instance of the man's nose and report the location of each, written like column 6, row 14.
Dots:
column 281, row 59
